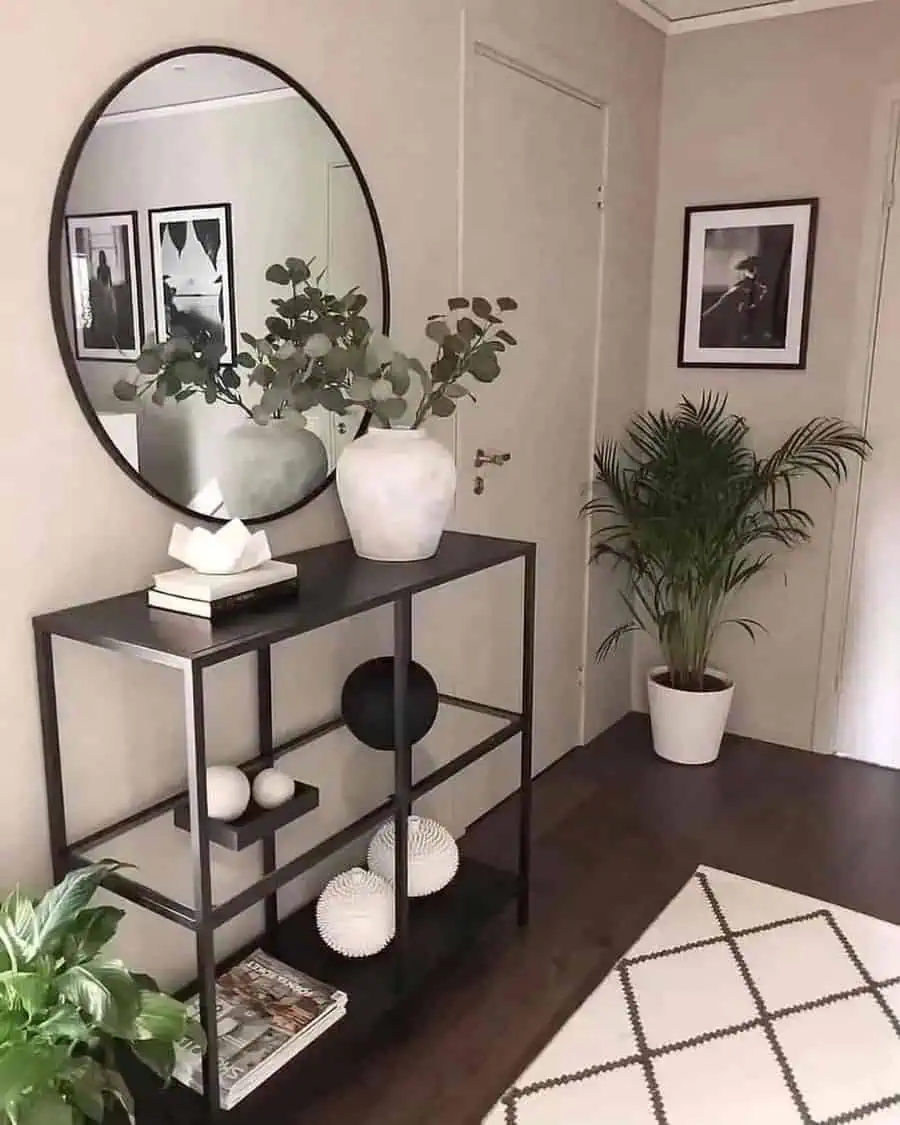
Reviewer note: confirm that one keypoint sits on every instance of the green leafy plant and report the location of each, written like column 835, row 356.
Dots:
column 320, row 350
column 66, row 1011
column 693, row 513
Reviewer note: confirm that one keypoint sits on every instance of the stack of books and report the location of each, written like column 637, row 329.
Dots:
column 266, row 1012
column 217, row 595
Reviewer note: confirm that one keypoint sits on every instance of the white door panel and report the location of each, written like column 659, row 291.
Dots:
column 533, row 161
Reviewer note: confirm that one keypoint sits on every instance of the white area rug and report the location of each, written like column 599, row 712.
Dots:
column 743, row 1004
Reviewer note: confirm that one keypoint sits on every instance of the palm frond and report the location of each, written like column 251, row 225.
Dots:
column 690, row 509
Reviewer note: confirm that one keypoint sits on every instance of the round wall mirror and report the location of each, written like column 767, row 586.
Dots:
column 211, row 229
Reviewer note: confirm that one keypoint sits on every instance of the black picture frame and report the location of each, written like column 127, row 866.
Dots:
column 746, row 288
column 99, row 242
column 159, row 221
column 56, row 254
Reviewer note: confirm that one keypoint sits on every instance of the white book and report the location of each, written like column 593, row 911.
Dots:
column 187, row 583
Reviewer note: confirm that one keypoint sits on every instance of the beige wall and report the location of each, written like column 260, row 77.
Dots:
column 771, row 110
column 76, row 527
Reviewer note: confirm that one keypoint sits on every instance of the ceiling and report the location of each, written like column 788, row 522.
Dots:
column 674, row 16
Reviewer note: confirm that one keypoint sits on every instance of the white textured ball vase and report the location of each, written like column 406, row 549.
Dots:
column 355, row 913
column 227, row 792
column 433, row 855
column 396, row 488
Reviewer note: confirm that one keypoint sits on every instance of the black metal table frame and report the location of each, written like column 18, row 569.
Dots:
column 205, row 917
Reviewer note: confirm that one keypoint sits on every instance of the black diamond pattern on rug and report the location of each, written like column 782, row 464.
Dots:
column 780, row 1021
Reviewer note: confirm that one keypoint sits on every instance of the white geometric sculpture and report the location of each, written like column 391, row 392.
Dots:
column 227, row 792
column 230, row 550
column 355, row 913
column 272, row 788
column 433, row 855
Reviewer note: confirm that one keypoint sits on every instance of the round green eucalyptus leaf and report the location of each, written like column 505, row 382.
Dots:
column 125, row 390
column 278, row 275
column 442, row 407
column 318, row 346
column 481, row 307
column 303, row 397
column 436, row 330
column 245, row 359
column 458, row 303
column 149, row 362
column 298, row 270
column 507, row 304
column 381, row 390
column 456, row 390
column 360, row 389
column 332, row 399
column 392, row 409
column 399, row 380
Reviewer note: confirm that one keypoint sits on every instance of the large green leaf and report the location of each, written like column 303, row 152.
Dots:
column 47, row 1108
column 91, row 930
column 67, row 1023
column 105, row 991
column 117, row 1089
column 25, row 990
column 86, row 1087
column 26, row 1066
column 158, row 1056
column 56, row 914
column 278, row 275
column 160, row 1017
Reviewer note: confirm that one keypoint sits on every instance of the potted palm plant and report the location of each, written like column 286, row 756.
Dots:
column 693, row 513
column 68, row 1013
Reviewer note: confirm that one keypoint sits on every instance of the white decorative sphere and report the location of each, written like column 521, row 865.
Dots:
column 355, row 913
column 433, row 855
column 227, row 792
column 272, row 788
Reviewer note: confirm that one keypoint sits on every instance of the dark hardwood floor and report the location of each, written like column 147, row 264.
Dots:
column 617, row 832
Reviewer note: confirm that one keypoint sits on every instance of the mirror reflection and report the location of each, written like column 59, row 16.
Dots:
column 214, row 226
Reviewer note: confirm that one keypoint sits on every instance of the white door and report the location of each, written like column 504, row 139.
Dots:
column 869, row 709
column 534, row 157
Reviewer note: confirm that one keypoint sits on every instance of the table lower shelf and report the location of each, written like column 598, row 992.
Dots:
column 440, row 927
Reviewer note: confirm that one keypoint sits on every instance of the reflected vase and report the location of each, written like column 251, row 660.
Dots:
column 396, row 488
column 266, row 469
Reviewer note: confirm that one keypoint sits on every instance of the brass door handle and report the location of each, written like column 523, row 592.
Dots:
column 482, row 457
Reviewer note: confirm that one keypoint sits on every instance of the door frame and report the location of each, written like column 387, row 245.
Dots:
column 883, row 182
column 486, row 39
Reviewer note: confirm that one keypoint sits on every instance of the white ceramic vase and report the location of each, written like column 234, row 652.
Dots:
column 688, row 726
column 396, row 488
column 265, row 469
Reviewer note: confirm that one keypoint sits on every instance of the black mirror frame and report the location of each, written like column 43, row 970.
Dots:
column 57, row 239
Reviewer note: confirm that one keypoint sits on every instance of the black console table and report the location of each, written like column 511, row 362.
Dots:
column 334, row 584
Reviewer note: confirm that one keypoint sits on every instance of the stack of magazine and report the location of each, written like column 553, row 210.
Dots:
column 218, row 595
column 266, row 1013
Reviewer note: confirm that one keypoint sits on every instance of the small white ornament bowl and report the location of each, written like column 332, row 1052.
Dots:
column 355, row 913
column 272, row 788
column 433, row 855
column 227, row 792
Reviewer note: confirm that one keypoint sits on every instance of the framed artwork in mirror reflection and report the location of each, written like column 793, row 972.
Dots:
column 747, row 284
column 192, row 267
column 105, row 285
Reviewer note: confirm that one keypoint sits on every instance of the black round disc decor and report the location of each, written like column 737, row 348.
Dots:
column 367, row 703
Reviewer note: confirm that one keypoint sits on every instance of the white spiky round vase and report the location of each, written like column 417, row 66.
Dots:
column 355, row 913
column 688, row 726
column 433, row 855
column 396, row 488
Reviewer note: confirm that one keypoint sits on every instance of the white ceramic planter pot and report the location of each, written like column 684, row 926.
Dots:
column 688, row 725
column 396, row 488
column 265, row 469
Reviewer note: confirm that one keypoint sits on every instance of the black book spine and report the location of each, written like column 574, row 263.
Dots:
column 277, row 591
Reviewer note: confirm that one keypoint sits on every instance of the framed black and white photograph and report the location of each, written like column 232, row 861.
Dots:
column 105, row 285
column 746, row 284
column 192, row 268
